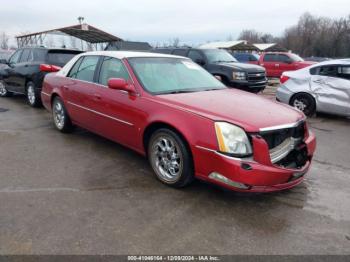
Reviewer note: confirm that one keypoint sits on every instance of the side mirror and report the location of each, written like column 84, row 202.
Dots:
column 200, row 61
column 3, row 61
column 120, row 84
column 49, row 68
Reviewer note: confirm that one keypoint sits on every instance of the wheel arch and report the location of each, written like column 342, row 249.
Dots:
column 302, row 93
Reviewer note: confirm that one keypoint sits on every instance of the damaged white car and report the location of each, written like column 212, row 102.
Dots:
column 323, row 87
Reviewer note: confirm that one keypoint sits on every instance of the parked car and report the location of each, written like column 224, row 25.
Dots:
column 183, row 119
column 225, row 67
column 279, row 62
column 24, row 72
column 248, row 58
column 324, row 87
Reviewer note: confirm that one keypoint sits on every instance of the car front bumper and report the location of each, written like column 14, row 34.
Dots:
column 257, row 174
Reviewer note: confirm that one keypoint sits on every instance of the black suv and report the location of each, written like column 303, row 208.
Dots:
column 224, row 66
column 24, row 71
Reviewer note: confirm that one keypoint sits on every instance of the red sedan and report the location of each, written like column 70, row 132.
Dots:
column 184, row 120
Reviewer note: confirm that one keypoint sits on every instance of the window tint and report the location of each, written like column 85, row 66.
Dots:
column 180, row 52
column 195, row 55
column 25, row 55
column 73, row 72
column 39, row 54
column 87, row 68
column 283, row 58
column 112, row 68
column 269, row 57
column 331, row 70
column 59, row 58
column 15, row 57
column 253, row 57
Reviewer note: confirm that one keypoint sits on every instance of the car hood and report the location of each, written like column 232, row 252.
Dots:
column 242, row 66
column 244, row 109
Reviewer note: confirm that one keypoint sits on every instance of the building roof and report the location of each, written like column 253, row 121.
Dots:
column 270, row 47
column 129, row 45
column 84, row 32
column 233, row 45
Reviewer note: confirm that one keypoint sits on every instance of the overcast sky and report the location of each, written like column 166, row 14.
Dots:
column 193, row 21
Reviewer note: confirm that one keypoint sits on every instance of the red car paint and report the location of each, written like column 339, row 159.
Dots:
column 193, row 115
column 279, row 65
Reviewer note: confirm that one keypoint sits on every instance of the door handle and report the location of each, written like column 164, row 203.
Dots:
column 97, row 97
column 66, row 88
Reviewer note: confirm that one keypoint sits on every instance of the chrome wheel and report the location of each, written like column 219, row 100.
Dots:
column 58, row 114
column 31, row 94
column 3, row 90
column 166, row 158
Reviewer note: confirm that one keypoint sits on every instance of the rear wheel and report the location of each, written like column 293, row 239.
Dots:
column 33, row 95
column 3, row 90
column 60, row 116
column 305, row 103
column 170, row 158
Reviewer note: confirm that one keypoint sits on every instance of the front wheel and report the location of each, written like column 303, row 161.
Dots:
column 33, row 95
column 305, row 103
column 3, row 90
column 60, row 116
column 170, row 158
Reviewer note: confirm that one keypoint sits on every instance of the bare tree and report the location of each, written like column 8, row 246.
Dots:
column 4, row 41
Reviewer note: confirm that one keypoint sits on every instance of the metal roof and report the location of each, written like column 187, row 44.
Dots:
column 272, row 47
column 233, row 45
column 84, row 32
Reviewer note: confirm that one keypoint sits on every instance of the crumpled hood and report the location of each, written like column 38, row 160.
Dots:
column 244, row 109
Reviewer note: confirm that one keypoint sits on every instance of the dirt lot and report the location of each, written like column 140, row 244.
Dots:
column 82, row 194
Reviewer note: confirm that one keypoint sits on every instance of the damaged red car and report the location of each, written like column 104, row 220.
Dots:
column 186, row 122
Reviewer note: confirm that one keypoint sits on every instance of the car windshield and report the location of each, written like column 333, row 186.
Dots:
column 162, row 75
column 217, row 55
column 296, row 58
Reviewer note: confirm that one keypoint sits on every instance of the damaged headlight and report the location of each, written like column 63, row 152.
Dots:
column 238, row 76
column 232, row 140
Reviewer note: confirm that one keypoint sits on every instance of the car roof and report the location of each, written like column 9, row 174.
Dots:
column 129, row 54
column 334, row 62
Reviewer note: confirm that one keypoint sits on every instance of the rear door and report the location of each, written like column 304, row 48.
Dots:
column 331, row 86
column 79, row 91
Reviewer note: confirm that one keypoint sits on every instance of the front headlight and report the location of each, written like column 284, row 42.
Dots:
column 232, row 139
column 238, row 76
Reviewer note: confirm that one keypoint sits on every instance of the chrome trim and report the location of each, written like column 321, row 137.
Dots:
column 248, row 159
column 101, row 114
column 282, row 150
column 46, row 94
column 286, row 126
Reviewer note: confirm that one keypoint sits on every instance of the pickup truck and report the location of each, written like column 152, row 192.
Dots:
column 278, row 63
column 224, row 66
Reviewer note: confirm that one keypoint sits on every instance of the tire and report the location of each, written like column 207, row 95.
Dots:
column 305, row 103
column 170, row 158
column 60, row 116
column 33, row 95
column 3, row 90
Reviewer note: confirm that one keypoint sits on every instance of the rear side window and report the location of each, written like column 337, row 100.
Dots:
column 344, row 72
column 269, row 58
column 283, row 59
column 25, row 55
column 15, row 57
column 86, row 69
column 331, row 70
column 74, row 70
column 59, row 58
column 195, row 55
column 39, row 55
column 180, row 52
column 112, row 68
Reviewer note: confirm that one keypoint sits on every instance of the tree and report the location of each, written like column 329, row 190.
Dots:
column 4, row 41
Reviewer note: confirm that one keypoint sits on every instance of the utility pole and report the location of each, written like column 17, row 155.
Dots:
column 81, row 19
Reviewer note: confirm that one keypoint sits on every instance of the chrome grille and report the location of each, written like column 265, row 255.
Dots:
column 257, row 77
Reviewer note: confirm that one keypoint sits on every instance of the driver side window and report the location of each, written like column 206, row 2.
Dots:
column 195, row 56
column 112, row 68
column 15, row 57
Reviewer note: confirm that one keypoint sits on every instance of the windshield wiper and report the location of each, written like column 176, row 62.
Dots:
column 181, row 91
column 223, row 61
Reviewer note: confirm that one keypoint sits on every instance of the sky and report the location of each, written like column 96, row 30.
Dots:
column 159, row 21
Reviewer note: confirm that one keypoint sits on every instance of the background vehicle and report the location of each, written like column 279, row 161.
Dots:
column 183, row 119
column 247, row 58
column 324, row 87
column 24, row 72
column 224, row 66
column 277, row 63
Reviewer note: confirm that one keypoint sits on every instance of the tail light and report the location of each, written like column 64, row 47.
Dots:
column 49, row 68
column 284, row 79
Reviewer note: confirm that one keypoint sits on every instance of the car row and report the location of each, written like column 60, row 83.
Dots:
column 24, row 71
